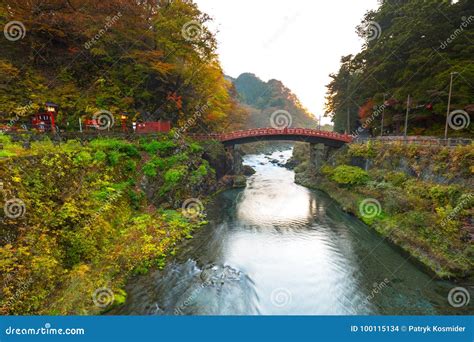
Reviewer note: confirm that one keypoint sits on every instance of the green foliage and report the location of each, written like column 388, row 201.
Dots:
column 82, row 158
column 100, row 156
column 5, row 139
column 420, row 211
column 113, row 158
column 137, row 198
column 349, row 175
column 141, row 80
column 264, row 97
column 400, row 62
column 201, row 173
column 89, row 225
column 150, row 167
column 195, row 148
column 6, row 154
column 366, row 150
column 79, row 246
column 164, row 147
column 302, row 167
column 442, row 195
column 395, row 178
column 173, row 176
column 327, row 170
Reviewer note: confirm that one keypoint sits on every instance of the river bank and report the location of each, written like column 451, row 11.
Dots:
column 83, row 219
column 418, row 198
column 278, row 248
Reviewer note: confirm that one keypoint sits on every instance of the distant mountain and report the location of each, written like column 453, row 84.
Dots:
column 261, row 99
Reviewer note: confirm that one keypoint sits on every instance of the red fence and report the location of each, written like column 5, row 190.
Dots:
column 152, row 127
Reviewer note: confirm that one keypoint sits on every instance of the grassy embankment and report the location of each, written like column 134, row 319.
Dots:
column 425, row 196
column 93, row 216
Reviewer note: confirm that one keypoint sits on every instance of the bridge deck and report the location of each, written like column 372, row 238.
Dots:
column 298, row 134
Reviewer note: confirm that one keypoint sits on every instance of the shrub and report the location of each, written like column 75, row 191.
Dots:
column 4, row 139
column 367, row 150
column 131, row 165
column 154, row 146
column 113, row 157
column 195, row 148
column 349, row 175
column 396, row 178
column 130, row 150
column 83, row 158
column 136, row 198
column 173, row 176
column 6, row 154
column 150, row 168
column 115, row 145
column 327, row 170
column 442, row 195
column 100, row 156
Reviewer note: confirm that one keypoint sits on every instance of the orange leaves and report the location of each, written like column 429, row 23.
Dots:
column 152, row 59
column 366, row 110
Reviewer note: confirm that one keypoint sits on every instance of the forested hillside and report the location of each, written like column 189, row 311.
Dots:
column 264, row 98
column 145, row 59
column 411, row 48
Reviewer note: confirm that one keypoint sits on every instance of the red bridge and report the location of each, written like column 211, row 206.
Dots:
column 264, row 134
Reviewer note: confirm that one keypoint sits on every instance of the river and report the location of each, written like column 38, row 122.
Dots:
column 277, row 248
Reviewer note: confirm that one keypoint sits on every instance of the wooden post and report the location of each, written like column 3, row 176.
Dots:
column 406, row 117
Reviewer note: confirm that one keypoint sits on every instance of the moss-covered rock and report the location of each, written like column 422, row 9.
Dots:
column 425, row 212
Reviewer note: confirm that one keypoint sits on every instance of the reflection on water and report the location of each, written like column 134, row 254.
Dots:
column 279, row 248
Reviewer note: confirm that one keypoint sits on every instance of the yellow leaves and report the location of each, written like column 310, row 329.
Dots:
column 7, row 71
column 152, row 59
column 82, row 270
column 79, row 240
column 7, row 258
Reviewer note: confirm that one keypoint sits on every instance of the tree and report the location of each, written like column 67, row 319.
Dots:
column 407, row 52
column 118, row 55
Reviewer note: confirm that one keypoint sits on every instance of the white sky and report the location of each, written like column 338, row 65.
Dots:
column 299, row 42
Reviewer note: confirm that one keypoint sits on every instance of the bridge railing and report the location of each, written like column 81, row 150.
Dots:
column 275, row 132
column 418, row 140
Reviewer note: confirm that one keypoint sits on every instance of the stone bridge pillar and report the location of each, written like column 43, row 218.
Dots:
column 318, row 155
column 236, row 159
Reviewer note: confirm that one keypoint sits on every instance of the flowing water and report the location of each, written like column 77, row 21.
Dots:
column 278, row 248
